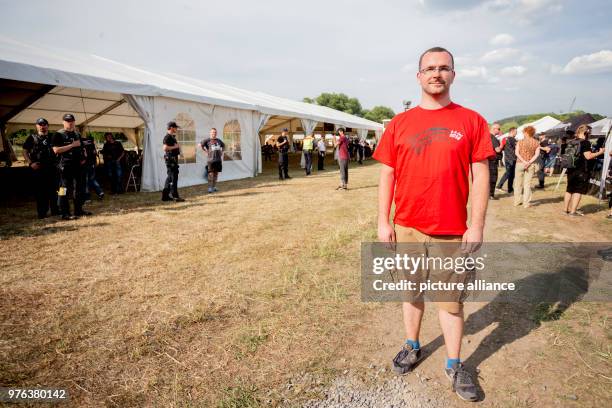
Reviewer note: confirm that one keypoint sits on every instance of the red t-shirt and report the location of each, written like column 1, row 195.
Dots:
column 431, row 152
column 343, row 148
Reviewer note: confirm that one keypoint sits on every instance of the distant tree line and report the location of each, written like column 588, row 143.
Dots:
column 516, row 121
column 344, row 103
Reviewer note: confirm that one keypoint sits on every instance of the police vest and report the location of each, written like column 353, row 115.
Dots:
column 308, row 143
column 41, row 150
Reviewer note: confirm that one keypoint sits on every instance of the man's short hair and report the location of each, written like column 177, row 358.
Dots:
column 215, row 129
column 511, row 129
column 437, row 49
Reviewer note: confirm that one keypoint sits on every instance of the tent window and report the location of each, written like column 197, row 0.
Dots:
column 231, row 138
column 186, row 136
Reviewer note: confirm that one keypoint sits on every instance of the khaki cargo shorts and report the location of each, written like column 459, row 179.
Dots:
column 435, row 246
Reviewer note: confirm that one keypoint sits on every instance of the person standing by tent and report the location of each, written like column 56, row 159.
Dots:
column 112, row 153
column 578, row 174
column 321, row 153
column 68, row 146
column 213, row 147
column 527, row 153
column 509, row 147
column 307, row 148
column 172, row 150
column 343, row 159
column 542, row 160
column 283, row 155
column 91, row 162
column 494, row 161
column 426, row 154
column 38, row 153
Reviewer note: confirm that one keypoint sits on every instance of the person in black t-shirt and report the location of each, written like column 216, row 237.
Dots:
column 494, row 160
column 172, row 150
column 68, row 146
column 508, row 146
column 283, row 155
column 38, row 153
column 113, row 153
column 578, row 177
column 91, row 162
column 213, row 147
column 544, row 154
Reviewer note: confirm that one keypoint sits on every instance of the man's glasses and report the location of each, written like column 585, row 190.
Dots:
column 444, row 69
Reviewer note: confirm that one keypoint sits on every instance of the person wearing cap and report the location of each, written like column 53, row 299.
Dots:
column 68, row 146
column 39, row 155
column 343, row 159
column 172, row 150
column 283, row 155
column 213, row 147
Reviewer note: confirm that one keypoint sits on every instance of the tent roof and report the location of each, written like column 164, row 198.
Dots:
column 541, row 125
column 25, row 62
column 601, row 127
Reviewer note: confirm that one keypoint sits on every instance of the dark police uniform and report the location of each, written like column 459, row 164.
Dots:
column 44, row 178
column 172, row 167
column 71, row 172
column 493, row 165
column 283, row 158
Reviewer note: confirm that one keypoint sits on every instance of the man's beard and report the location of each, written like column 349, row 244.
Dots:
column 436, row 90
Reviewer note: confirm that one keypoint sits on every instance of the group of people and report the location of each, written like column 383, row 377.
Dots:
column 63, row 168
column 345, row 151
column 530, row 156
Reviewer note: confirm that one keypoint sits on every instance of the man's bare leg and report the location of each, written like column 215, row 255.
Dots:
column 413, row 314
column 566, row 201
column 452, row 328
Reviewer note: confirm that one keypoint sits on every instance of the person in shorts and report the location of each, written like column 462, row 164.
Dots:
column 427, row 155
column 213, row 147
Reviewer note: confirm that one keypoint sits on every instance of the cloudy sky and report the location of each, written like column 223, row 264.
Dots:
column 512, row 56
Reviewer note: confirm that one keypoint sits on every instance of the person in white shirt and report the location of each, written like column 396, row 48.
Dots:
column 321, row 154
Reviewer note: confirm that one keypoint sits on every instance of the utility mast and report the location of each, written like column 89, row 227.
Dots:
column 572, row 105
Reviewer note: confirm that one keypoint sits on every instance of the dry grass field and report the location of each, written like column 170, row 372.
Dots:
column 225, row 299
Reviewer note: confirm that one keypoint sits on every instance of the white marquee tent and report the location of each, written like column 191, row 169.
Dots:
column 541, row 125
column 107, row 95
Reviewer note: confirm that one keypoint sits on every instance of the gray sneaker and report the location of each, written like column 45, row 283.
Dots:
column 462, row 382
column 405, row 360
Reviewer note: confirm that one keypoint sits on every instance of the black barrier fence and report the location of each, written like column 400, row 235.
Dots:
column 524, row 272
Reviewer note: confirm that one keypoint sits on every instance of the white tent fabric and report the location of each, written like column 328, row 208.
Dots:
column 151, row 172
column 261, row 122
column 601, row 127
column 363, row 134
column 158, row 98
column 541, row 125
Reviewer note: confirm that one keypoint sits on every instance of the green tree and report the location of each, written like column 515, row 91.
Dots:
column 341, row 102
column 308, row 100
column 378, row 113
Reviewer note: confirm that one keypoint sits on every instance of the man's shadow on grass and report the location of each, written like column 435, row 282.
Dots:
column 538, row 298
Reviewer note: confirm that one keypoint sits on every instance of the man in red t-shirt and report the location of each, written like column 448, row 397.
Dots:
column 427, row 154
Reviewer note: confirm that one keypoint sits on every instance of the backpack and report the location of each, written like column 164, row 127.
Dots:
column 571, row 155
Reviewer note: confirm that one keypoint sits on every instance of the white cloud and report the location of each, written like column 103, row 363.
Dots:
column 533, row 5
column 501, row 55
column 515, row 70
column 477, row 72
column 502, row 39
column 597, row 62
column 410, row 67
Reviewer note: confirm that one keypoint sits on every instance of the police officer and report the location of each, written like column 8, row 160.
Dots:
column 283, row 155
column 172, row 150
column 68, row 146
column 39, row 155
